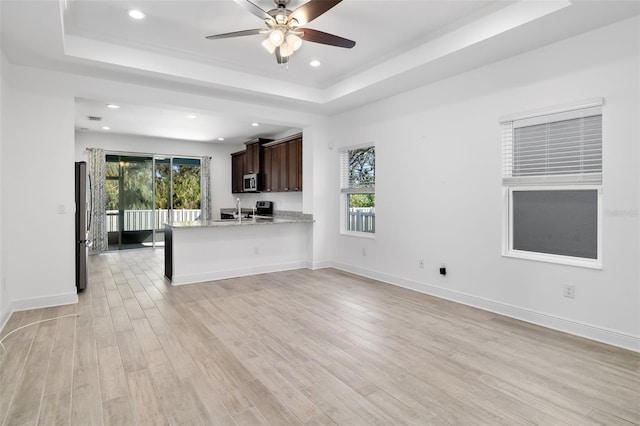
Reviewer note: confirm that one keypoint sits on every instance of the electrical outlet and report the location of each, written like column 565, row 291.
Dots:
column 421, row 263
column 364, row 251
column 570, row 291
column 256, row 250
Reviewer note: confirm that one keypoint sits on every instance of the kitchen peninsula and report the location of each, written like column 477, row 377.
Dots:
column 201, row 251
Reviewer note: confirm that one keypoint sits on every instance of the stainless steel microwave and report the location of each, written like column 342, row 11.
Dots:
column 250, row 182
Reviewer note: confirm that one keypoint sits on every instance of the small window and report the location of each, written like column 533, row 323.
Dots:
column 357, row 183
column 552, row 175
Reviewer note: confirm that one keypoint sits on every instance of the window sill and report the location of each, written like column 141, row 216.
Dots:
column 366, row 235
column 554, row 258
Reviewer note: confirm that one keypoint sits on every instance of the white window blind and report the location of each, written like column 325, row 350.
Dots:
column 357, row 170
column 558, row 148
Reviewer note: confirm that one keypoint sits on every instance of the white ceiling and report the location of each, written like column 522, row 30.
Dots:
column 401, row 44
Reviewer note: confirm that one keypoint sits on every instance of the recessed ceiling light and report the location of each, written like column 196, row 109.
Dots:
column 106, row 128
column 136, row 14
column 192, row 116
column 220, row 139
column 315, row 63
column 255, row 124
column 113, row 106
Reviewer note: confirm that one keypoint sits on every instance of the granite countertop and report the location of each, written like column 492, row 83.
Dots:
column 278, row 218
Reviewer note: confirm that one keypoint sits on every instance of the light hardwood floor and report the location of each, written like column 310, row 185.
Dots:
column 297, row 347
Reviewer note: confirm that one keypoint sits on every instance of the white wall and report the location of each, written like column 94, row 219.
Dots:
column 4, row 291
column 38, row 180
column 438, row 186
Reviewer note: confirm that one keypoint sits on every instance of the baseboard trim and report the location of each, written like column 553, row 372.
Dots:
column 323, row 264
column 44, row 302
column 4, row 318
column 236, row 273
column 588, row 331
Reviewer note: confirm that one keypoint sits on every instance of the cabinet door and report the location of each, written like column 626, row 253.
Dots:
column 283, row 176
column 267, row 156
column 237, row 172
column 252, row 158
column 294, row 165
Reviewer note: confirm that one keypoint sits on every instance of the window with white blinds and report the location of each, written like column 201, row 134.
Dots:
column 552, row 175
column 559, row 148
column 358, row 170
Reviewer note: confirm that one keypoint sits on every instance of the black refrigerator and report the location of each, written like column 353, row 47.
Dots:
column 82, row 224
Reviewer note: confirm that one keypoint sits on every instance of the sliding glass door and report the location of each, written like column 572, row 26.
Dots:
column 144, row 193
column 129, row 201
column 177, row 192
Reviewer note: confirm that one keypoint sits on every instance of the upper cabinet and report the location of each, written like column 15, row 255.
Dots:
column 237, row 171
column 294, row 165
column 279, row 164
column 253, row 155
column 283, row 165
column 246, row 162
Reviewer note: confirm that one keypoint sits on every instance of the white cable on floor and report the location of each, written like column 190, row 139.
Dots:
column 32, row 323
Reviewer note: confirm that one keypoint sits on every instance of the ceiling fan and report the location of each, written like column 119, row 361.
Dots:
column 284, row 27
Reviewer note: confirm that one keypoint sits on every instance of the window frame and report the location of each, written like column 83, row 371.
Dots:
column 346, row 192
column 548, row 182
column 507, row 227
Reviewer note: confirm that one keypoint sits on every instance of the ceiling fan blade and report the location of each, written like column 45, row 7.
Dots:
column 253, row 8
column 235, row 34
column 281, row 59
column 311, row 10
column 316, row 36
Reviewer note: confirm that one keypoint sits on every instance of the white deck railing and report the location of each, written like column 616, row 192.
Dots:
column 139, row 220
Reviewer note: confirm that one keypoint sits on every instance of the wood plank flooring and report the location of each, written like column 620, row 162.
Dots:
column 298, row 347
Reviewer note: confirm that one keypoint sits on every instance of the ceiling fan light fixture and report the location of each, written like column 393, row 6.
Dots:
column 281, row 18
column 294, row 41
column 285, row 50
column 268, row 45
column 276, row 37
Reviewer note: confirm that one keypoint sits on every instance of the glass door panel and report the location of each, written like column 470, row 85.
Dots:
column 185, row 189
column 177, row 192
column 162, row 186
column 129, row 201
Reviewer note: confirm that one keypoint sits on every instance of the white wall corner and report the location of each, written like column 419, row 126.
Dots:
column 319, row 264
column 588, row 331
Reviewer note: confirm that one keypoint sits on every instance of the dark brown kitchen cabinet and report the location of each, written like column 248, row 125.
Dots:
column 267, row 155
column 278, row 163
column 283, row 165
column 237, row 171
column 253, row 161
column 294, row 165
column 274, row 174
